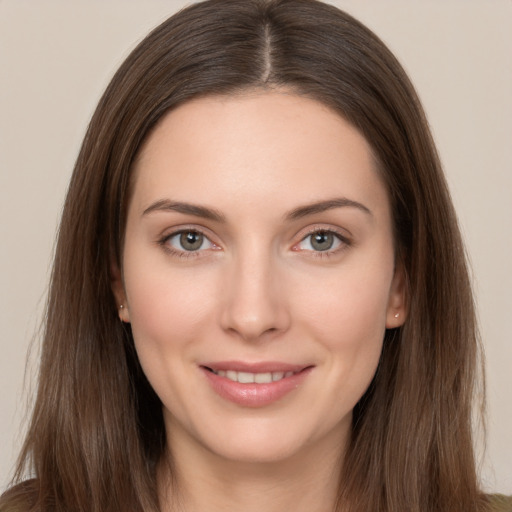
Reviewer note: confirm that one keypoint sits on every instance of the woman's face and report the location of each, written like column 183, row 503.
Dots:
column 258, row 274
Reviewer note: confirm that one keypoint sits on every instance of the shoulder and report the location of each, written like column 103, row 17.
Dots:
column 500, row 503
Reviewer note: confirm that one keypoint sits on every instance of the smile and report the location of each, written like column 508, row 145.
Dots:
column 254, row 385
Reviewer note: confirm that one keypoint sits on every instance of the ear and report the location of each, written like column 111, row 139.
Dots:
column 397, row 302
column 116, row 282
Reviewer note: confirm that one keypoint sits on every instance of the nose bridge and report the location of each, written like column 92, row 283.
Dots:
column 255, row 300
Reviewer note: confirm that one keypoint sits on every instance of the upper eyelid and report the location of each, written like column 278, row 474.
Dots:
column 343, row 234
column 176, row 230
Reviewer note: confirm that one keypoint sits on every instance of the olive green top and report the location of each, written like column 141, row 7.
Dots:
column 500, row 503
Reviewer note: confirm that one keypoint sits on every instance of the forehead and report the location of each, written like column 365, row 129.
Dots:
column 271, row 149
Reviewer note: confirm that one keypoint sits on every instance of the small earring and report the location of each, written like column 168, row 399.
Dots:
column 121, row 312
column 396, row 314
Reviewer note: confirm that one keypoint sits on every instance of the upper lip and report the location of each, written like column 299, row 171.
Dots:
column 255, row 367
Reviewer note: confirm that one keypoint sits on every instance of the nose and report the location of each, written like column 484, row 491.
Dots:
column 255, row 302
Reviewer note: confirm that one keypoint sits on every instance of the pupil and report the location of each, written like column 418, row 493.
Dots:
column 322, row 241
column 191, row 240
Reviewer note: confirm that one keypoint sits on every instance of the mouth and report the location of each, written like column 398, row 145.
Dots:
column 254, row 385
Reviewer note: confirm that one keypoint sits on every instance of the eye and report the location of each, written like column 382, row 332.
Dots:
column 189, row 241
column 321, row 241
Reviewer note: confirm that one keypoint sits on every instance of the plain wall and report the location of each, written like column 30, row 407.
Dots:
column 56, row 57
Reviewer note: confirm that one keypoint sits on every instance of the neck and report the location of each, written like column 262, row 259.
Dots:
column 202, row 481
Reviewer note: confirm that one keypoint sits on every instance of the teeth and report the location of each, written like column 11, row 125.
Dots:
column 277, row 376
column 245, row 378
column 249, row 378
column 263, row 378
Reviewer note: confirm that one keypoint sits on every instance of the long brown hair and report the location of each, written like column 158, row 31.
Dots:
column 97, row 431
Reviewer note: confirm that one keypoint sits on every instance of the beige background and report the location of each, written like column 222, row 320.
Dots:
column 56, row 57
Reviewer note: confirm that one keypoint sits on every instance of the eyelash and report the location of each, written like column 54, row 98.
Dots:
column 345, row 242
column 184, row 254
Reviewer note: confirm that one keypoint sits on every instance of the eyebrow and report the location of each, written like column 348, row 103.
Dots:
column 322, row 206
column 167, row 205
column 215, row 215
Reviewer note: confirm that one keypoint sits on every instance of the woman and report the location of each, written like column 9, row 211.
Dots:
column 259, row 295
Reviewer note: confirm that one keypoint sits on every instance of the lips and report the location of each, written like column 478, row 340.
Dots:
column 254, row 384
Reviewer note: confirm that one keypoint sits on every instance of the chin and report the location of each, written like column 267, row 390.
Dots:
column 253, row 452
column 259, row 440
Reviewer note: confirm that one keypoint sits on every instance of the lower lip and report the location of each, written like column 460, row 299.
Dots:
column 255, row 395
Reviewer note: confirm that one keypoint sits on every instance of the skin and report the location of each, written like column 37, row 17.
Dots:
column 257, row 289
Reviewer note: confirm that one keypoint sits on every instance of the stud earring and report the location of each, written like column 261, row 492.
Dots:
column 396, row 314
column 121, row 312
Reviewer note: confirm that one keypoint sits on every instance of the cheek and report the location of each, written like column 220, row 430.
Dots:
column 349, row 309
column 169, row 313
column 350, row 327
column 347, row 317
column 352, row 331
column 167, row 308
